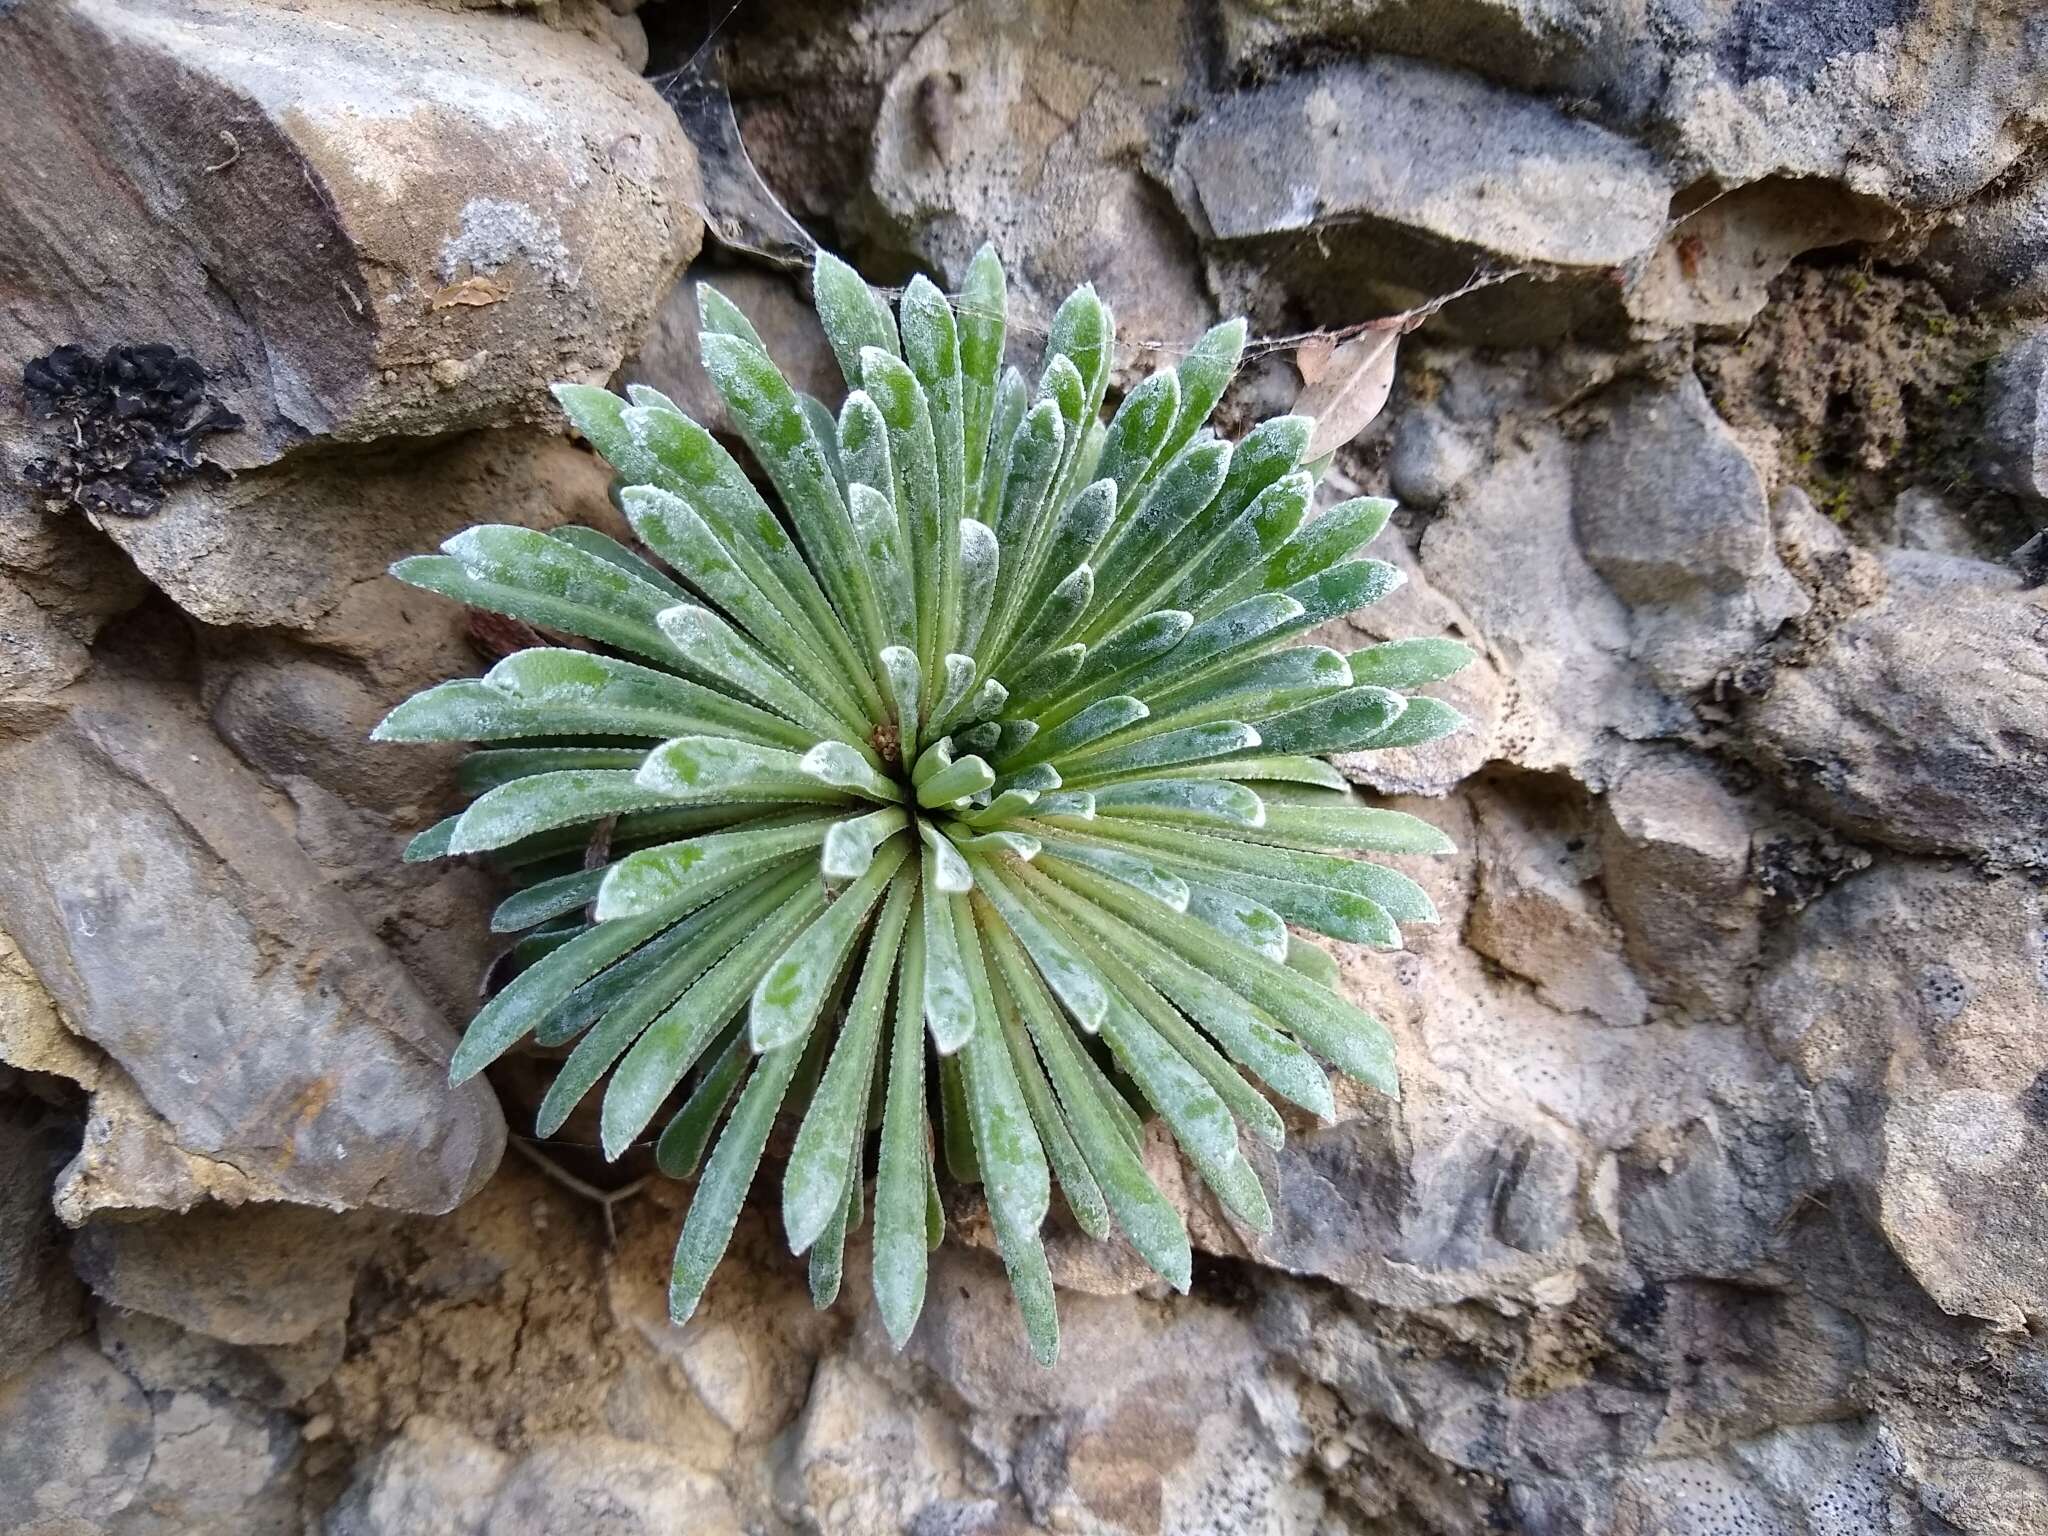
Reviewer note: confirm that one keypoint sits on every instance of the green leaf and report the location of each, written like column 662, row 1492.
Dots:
column 1146, row 1216
column 676, row 454
column 526, row 806
column 1311, row 549
column 814, row 1185
column 1354, row 1042
column 1183, row 802
column 1169, row 749
column 682, row 955
column 1189, row 484
column 931, row 346
column 1204, row 373
column 1131, row 447
column 1410, row 663
column 715, row 1208
column 670, row 1046
column 680, row 1148
column 776, row 427
column 1338, row 723
column 791, row 992
column 980, row 310
column 718, row 650
column 948, row 1003
column 719, row 315
column 980, row 564
column 852, row 313
column 549, row 898
column 1015, row 1178
column 1069, row 1168
column 850, row 845
column 607, row 548
column 1424, row 720
column 968, row 776
column 1072, row 980
column 1013, row 399
column 905, row 1160
column 491, row 767
column 840, row 765
column 717, row 768
column 525, row 1000
column 1351, row 827
column 677, row 876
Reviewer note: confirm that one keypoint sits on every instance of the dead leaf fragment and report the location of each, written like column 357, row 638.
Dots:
column 1350, row 390
column 1312, row 358
column 472, row 293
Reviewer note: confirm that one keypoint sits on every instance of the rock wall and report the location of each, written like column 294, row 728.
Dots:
column 1714, row 1204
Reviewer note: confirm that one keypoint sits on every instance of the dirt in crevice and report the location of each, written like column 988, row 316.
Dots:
column 1861, row 383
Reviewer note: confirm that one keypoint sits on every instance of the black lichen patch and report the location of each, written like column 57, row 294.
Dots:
column 124, row 427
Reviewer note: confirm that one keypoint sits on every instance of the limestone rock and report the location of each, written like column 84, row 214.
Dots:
column 2015, row 447
column 1671, row 513
column 162, row 1357
column 39, row 1298
column 363, row 221
column 1914, row 1007
column 76, row 1440
column 1009, row 129
column 273, row 1275
column 1716, row 265
column 305, row 547
column 1675, row 857
column 1534, row 913
column 220, row 1465
column 433, row 1480
column 263, row 989
column 1369, row 185
column 1920, row 105
column 1920, row 722
column 1507, row 554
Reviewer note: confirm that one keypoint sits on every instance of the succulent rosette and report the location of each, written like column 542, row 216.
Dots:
column 946, row 780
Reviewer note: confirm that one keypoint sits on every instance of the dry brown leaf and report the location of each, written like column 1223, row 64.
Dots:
column 472, row 293
column 1350, row 392
column 1312, row 358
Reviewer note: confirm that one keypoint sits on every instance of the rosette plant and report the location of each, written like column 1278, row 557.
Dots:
column 950, row 792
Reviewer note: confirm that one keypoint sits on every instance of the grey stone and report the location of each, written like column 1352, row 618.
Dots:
column 1920, row 722
column 2015, row 442
column 274, row 1038
column 39, row 1295
column 607, row 1488
column 1993, row 249
column 220, row 1465
column 1537, row 910
column 304, row 547
column 1716, row 265
column 1028, row 136
column 1671, row 513
column 433, row 1480
column 1379, row 182
column 1675, row 855
column 1430, row 459
column 1507, row 554
column 1913, row 1005
column 267, row 1275
column 364, row 222
column 162, row 1357
column 1920, row 105
column 76, row 1441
